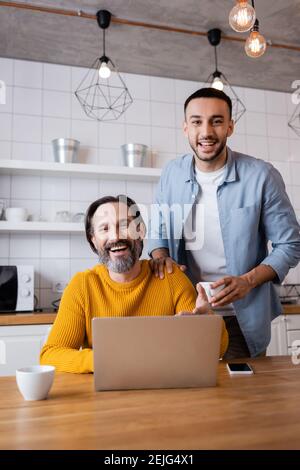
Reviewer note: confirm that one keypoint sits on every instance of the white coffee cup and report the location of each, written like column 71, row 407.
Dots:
column 210, row 292
column 16, row 214
column 35, row 382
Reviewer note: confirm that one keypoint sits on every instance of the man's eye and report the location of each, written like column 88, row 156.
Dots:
column 196, row 123
column 102, row 229
column 218, row 121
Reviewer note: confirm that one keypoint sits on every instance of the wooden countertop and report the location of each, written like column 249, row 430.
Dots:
column 289, row 309
column 27, row 318
column 260, row 411
column 49, row 317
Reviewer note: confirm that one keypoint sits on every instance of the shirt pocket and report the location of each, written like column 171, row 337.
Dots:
column 245, row 221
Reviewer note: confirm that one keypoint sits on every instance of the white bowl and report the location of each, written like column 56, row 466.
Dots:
column 35, row 382
column 16, row 214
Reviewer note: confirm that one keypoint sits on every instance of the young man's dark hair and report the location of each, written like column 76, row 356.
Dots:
column 135, row 212
column 210, row 93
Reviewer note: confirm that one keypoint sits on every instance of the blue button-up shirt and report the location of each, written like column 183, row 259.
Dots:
column 253, row 209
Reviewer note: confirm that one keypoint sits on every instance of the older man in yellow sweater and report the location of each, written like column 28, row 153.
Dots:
column 120, row 285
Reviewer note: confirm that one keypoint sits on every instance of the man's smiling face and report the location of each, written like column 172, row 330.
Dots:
column 207, row 126
column 116, row 237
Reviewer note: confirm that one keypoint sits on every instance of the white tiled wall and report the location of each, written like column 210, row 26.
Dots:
column 41, row 106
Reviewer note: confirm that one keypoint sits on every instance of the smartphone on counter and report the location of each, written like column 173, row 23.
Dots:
column 241, row 368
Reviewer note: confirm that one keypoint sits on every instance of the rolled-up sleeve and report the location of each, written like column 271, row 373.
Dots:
column 281, row 226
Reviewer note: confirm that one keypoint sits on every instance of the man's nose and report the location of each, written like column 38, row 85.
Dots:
column 206, row 129
column 113, row 233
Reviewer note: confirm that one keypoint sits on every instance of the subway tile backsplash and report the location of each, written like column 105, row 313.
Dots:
column 41, row 106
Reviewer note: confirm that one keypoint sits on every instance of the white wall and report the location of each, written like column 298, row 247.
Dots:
column 41, row 106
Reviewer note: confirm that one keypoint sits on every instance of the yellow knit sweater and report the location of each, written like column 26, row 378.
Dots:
column 93, row 293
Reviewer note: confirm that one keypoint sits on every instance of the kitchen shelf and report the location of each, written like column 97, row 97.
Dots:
column 79, row 170
column 46, row 227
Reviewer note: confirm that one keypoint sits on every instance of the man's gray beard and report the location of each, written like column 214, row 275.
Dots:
column 119, row 265
column 125, row 263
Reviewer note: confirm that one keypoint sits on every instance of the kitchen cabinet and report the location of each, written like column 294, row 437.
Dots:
column 285, row 329
column 20, row 346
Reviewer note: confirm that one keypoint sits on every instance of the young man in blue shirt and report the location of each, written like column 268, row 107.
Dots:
column 237, row 204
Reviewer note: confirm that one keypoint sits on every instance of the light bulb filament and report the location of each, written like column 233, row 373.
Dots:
column 254, row 45
column 242, row 18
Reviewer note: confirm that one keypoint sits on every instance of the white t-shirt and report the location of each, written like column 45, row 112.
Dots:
column 202, row 233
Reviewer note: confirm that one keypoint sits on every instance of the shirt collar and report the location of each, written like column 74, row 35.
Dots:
column 231, row 167
column 230, row 172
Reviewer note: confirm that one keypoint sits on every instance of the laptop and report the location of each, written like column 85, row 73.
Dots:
column 156, row 352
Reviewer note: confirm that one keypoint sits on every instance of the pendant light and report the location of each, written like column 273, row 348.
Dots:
column 242, row 16
column 256, row 44
column 102, row 93
column 294, row 121
column 218, row 80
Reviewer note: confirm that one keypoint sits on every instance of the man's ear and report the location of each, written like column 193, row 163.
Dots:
column 185, row 128
column 93, row 240
column 230, row 128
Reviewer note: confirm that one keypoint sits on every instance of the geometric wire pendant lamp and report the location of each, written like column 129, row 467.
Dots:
column 294, row 122
column 218, row 80
column 102, row 93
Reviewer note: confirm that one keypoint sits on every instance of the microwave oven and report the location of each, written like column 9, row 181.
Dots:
column 16, row 288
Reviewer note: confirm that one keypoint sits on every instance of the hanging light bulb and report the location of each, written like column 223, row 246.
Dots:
column 242, row 16
column 104, row 70
column 255, row 44
column 217, row 82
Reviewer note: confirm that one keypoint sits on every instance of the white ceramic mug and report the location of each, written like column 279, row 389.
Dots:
column 209, row 291
column 16, row 214
column 35, row 382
